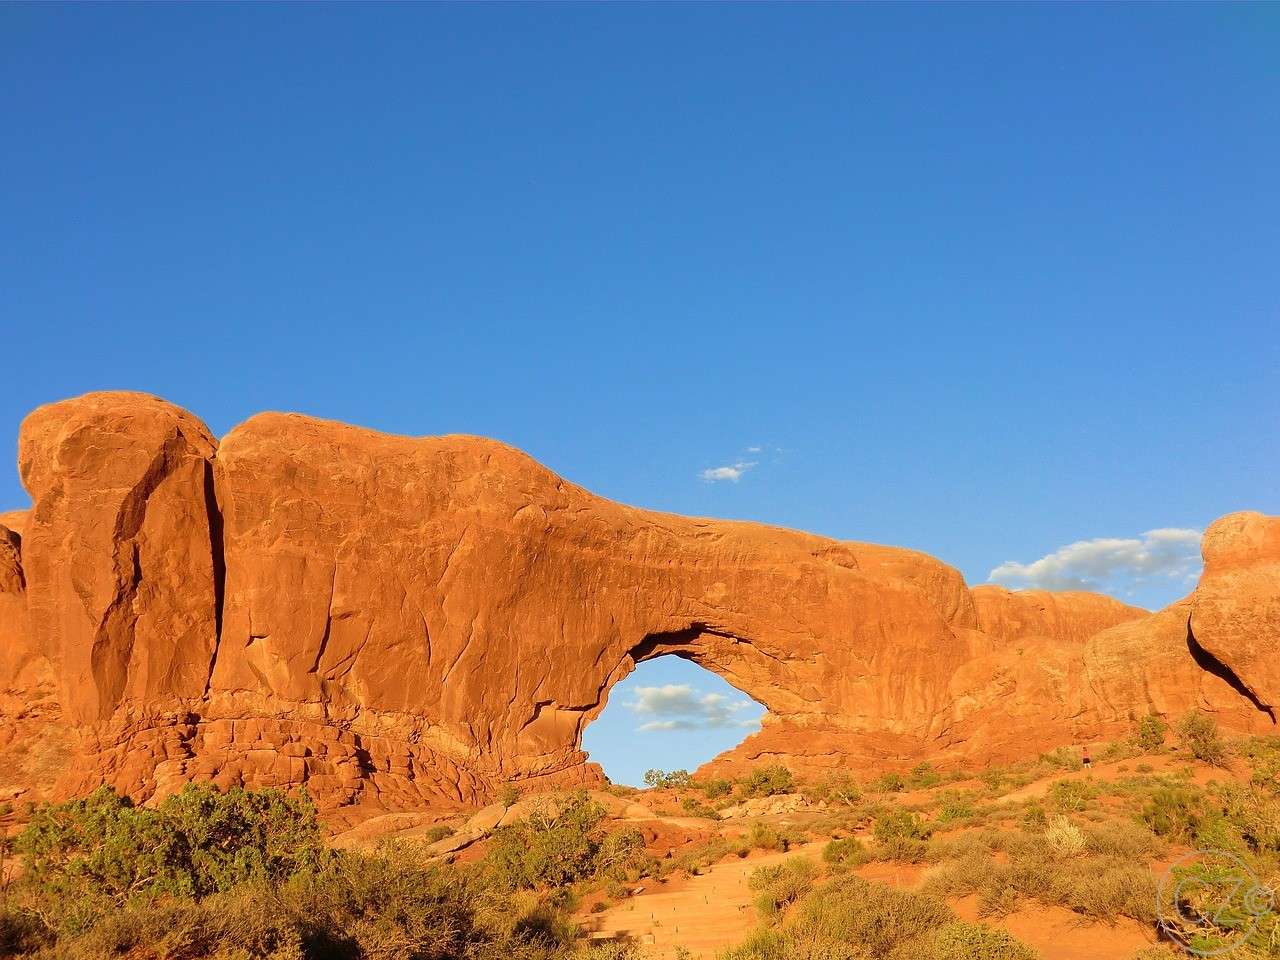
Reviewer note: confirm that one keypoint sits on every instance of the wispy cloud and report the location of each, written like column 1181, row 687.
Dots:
column 731, row 471
column 678, row 706
column 1166, row 554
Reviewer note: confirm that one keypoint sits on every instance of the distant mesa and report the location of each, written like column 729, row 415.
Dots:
column 399, row 622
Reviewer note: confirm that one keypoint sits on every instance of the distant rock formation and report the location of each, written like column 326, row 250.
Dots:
column 398, row 622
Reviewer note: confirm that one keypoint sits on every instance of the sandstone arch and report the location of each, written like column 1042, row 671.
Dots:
column 398, row 620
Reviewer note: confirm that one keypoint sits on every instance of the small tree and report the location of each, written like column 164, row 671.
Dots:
column 101, row 852
column 1199, row 734
column 1149, row 735
column 675, row 780
column 558, row 843
column 765, row 781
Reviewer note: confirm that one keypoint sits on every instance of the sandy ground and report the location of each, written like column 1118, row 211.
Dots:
column 703, row 914
column 712, row 911
column 715, row 910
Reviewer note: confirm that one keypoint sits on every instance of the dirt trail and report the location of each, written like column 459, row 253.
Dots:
column 703, row 914
column 1201, row 774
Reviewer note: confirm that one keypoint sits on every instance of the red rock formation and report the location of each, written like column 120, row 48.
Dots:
column 398, row 621
column 1235, row 614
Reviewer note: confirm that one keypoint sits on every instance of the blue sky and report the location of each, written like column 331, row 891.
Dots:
column 986, row 281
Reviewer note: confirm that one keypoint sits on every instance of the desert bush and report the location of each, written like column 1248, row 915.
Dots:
column 1199, row 734
column 877, row 918
column 1173, row 812
column 889, row 782
column 1034, row 818
column 1150, row 732
column 1254, row 813
column 900, row 823
column 101, row 852
column 780, row 885
column 560, row 842
column 1122, row 839
column 954, row 806
column 766, row 781
column 1071, row 796
column 509, row 795
column 438, row 832
column 848, row 852
column 923, row 776
column 1063, row 838
column 846, row 918
column 901, row 835
column 1054, row 872
column 764, row 836
column 1062, row 758
column 715, row 787
column 21, row 931
column 696, row 808
column 965, row 941
column 836, row 788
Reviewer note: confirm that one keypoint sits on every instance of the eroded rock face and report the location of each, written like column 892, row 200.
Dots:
column 119, row 551
column 1235, row 615
column 399, row 622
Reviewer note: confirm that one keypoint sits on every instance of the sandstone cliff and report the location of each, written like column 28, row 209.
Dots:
column 398, row 621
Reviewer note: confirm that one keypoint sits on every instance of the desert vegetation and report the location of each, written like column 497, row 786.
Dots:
column 239, row 874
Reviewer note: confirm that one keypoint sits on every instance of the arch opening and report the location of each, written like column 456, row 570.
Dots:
column 668, row 713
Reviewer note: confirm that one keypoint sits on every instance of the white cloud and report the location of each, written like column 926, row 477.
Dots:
column 1165, row 554
column 754, row 449
column 678, row 706
column 733, row 471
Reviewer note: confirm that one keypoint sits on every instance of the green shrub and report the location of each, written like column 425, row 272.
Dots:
column 1173, row 812
column 437, row 833
column 836, row 788
column 900, row 823
column 1149, row 735
column 557, row 844
column 763, row 836
column 993, row 778
column 955, row 806
column 696, row 808
column 715, row 787
column 101, row 851
column 780, row 885
column 965, row 941
column 1034, row 818
column 1254, row 813
column 870, row 916
column 766, row 781
column 923, row 776
column 1199, row 734
column 889, row 782
column 901, row 835
column 509, row 795
column 848, row 852
column 1071, row 796
column 1062, row 758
